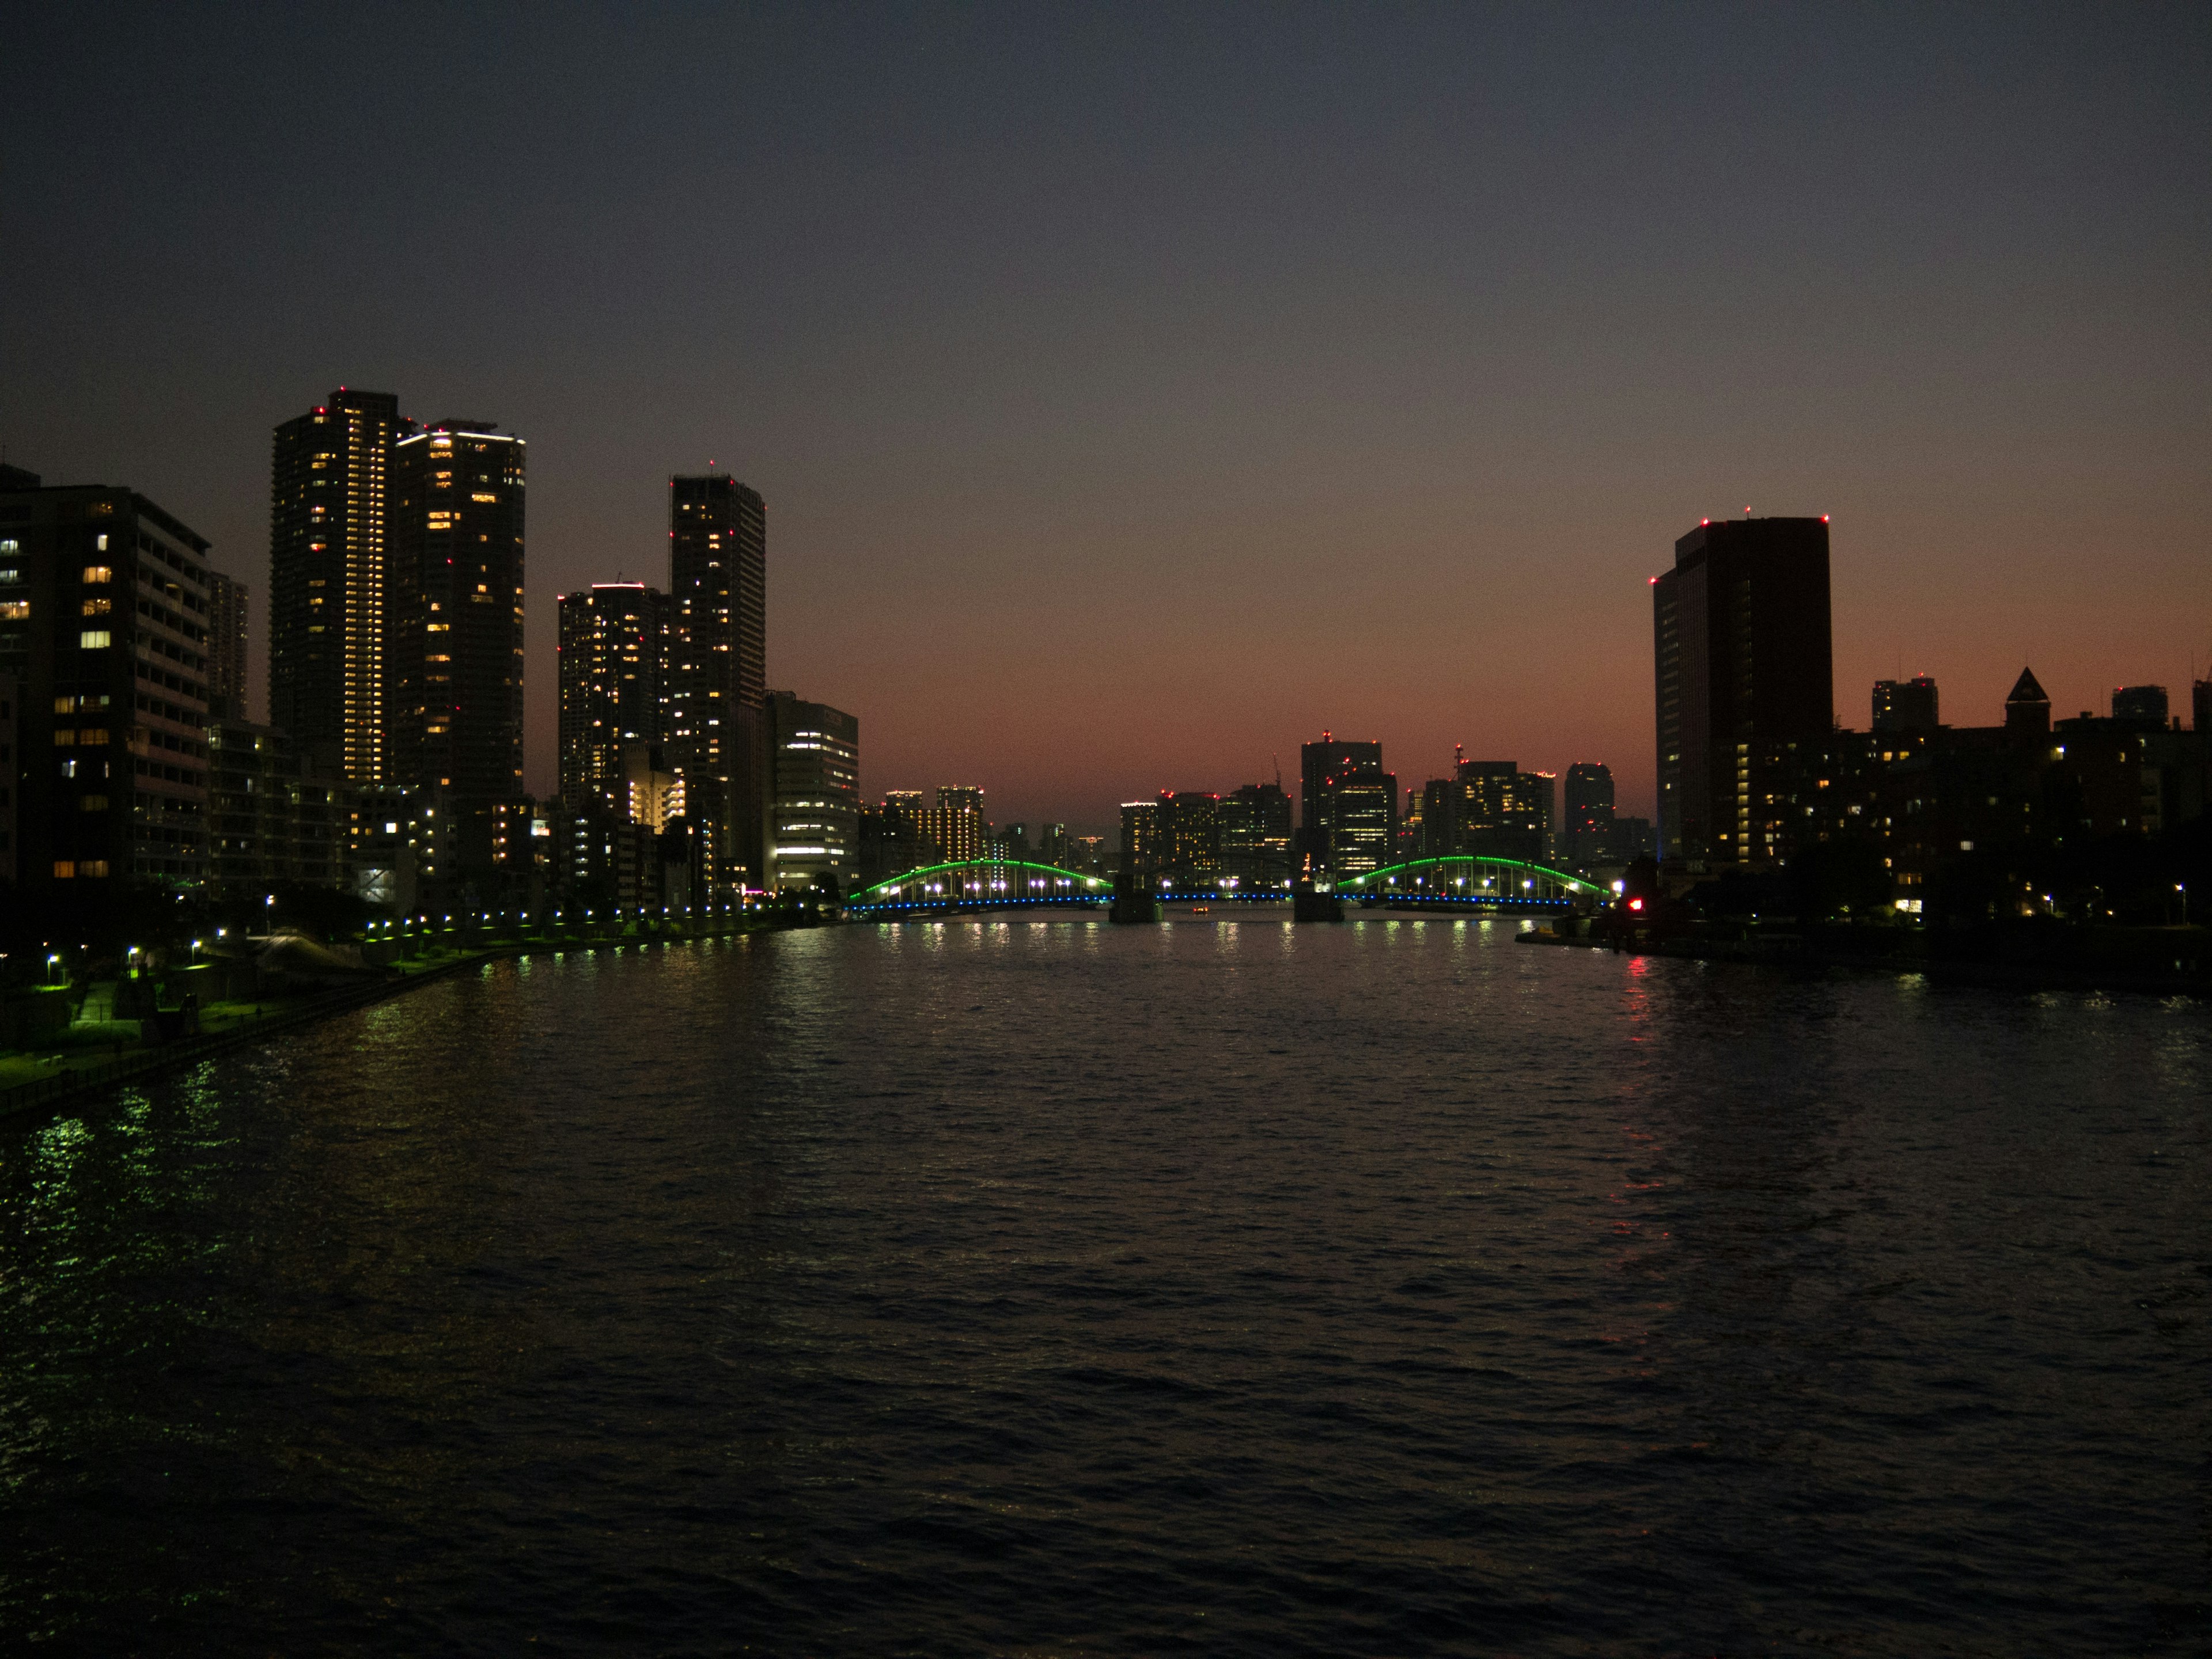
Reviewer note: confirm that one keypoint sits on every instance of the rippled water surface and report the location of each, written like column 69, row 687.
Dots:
column 1038, row 1288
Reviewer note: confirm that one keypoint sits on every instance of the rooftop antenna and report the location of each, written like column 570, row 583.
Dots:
column 1278, row 771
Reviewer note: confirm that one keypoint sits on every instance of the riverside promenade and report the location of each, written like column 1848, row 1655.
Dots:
column 101, row 1054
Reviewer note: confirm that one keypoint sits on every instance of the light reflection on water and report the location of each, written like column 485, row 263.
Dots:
column 1046, row 1287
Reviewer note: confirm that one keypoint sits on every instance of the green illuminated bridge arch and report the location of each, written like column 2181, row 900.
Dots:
column 975, row 883
column 1473, row 882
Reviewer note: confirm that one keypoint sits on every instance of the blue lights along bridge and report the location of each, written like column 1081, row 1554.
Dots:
column 1494, row 885
column 1505, row 885
column 978, row 885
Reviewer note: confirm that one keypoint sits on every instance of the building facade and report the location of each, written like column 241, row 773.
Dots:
column 610, row 653
column 227, row 629
column 817, row 794
column 955, row 825
column 1349, row 807
column 716, row 683
column 103, row 628
column 1586, row 823
column 329, row 618
column 1741, row 668
column 456, row 579
column 1256, row 837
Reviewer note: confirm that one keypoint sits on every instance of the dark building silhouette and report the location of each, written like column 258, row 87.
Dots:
column 105, row 632
column 1348, row 807
column 1742, row 671
column 1586, row 826
column 2028, row 710
column 330, row 683
column 611, row 685
column 2142, row 706
column 1906, row 705
column 717, row 683
column 2200, row 706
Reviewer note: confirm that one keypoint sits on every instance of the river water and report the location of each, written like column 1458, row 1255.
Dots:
column 1045, row 1287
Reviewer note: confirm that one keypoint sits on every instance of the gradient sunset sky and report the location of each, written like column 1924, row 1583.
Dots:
column 1137, row 391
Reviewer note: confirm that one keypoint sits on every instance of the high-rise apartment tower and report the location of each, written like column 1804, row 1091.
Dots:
column 457, row 583
column 329, row 674
column 717, row 683
column 610, row 689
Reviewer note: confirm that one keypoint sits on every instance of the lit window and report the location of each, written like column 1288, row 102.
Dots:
column 94, row 867
column 14, row 609
column 65, row 737
column 94, row 735
column 94, row 639
column 96, row 574
column 64, row 869
column 97, row 607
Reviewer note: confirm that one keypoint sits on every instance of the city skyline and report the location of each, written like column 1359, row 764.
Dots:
column 1385, row 377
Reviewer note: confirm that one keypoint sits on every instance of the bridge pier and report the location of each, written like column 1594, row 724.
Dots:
column 1308, row 905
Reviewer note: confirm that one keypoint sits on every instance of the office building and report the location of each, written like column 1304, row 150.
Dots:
column 103, row 628
column 1052, row 845
column 330, row 616
column 1256, row 837
column 1741, row 670
column 611, row 686
column 817, row 794
column 717, row 669
column 1487, row 809
column 1586, row 832
column 1906, row 705
column 456, row 576
column 1349, row 807
column 226, row 621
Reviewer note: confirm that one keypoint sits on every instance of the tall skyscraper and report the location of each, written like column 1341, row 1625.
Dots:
column 817, row 794
column 1349, row 806
column 1906, row 705
column 226, row 646
column 2200, row 705
column 330, row 676
column 718, row 667
column 610, row 689
column 103, row 628
column 1742, row 670
column 456, row 586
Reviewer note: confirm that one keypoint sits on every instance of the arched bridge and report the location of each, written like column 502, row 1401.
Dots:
column 976, row 885
column 1472, row 884
column 1494, row 884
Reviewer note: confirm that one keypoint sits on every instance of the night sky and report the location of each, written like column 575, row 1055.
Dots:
column 1137, row 391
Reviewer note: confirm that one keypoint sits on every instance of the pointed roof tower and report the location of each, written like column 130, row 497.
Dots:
column 2027, row 710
